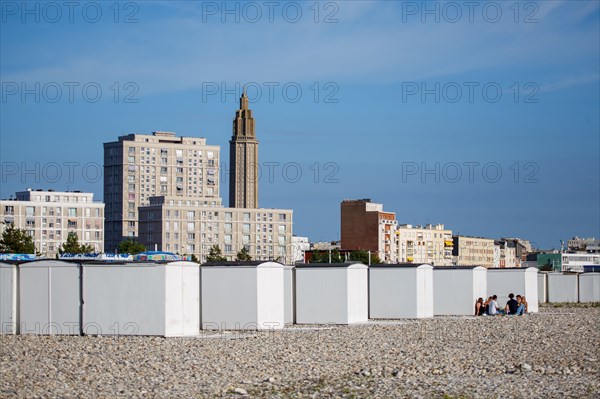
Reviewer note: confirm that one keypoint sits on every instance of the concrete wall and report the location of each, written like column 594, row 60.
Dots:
column 330, row 294
column 523, row 281
column 456, row 289
column 8, row 299
column 589, row 287
column 400, row 292
column 563, row 287
column 49, row 297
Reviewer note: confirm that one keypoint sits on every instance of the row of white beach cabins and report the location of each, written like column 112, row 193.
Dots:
column 181, row 298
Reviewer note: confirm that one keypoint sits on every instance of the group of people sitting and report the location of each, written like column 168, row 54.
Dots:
column 490, row 307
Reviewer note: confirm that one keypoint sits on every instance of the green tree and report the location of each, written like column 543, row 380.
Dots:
column 130, row 246
column 16, row 241
column 317, row 257
column 243, row 255
column 336, row 257
column 72, row 246
column 363, row 257
column 215, row 254
column 195, row 258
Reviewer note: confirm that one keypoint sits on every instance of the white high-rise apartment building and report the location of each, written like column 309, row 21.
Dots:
column 140, row 166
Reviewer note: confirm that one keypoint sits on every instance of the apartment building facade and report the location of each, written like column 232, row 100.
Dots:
column 473, row 251
column 431, row 244
column 366, row 226
column 187, row 226
column 505, row 254
column 49, row 216
column 140, row 166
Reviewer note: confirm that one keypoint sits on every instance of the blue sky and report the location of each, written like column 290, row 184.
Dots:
column 484, row 119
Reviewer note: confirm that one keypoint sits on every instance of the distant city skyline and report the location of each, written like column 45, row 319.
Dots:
column 486, row 124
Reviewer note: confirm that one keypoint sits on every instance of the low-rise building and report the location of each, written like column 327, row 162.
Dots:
column 431, row 244
column 473, row 251
column 299, row 246
column 590, row 244
column 505, row 254
column 187, row 226
column 49, row 216
column 577, row 262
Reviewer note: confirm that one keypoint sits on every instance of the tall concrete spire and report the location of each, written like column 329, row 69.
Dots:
column 243, row 159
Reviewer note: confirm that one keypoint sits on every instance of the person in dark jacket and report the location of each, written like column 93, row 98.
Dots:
column 512, row 305
column 479, row 307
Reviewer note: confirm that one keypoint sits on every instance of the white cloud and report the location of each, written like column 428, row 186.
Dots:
column 177, row 51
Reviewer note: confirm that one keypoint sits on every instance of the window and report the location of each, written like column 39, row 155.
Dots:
column 30, row 211
column 9, row 210
column 246, row 228
column 227, row 238
column 72, row 212
column 281, row 229
column 72, row 224
column 228, row 216
column 191, row 226
column 191, row 215
column 246, row 217
column 245, row 239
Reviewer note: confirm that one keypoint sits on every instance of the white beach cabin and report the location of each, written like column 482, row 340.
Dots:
column 8, row 298
column 563, row 287
column 242, row 295
column 142, row 298
column 589, row 287
column 332, row 293
column 288, row 278
column 516, row 280
column 49, row 297
column 400, row 291
column 542, row 287
column 457, row 288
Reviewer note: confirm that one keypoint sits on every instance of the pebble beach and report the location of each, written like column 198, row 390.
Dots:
column 552, row 354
